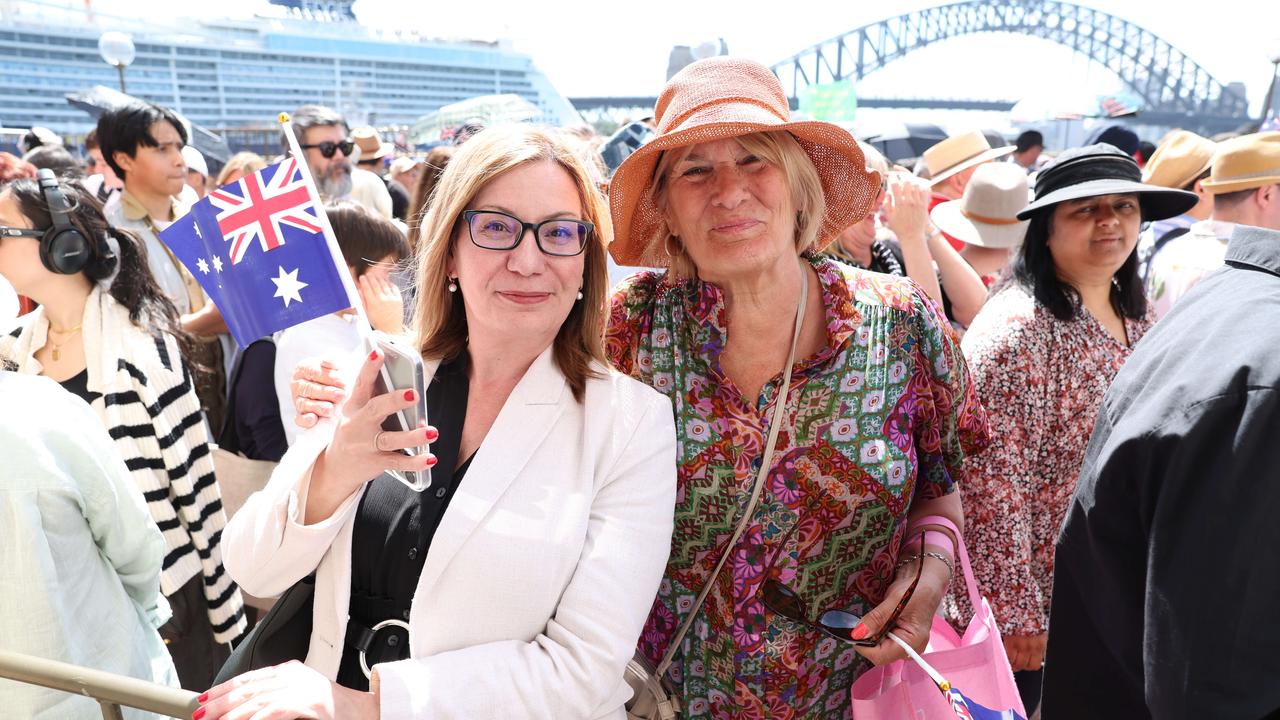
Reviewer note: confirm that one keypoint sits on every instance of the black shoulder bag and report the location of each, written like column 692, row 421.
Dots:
column 283, row 634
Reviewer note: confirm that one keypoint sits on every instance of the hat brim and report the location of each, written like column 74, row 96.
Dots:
column 1227, row 186
column 986, row 156
column 847, row 185
column 1179, row 182
column 1157, row 203
column 381, row 152
column 949, row 217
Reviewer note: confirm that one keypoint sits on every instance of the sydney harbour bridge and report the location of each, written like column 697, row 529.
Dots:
column 1174, row 89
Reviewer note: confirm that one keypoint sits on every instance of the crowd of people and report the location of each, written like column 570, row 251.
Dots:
column 732, row 475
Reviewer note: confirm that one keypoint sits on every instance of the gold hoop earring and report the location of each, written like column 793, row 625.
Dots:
column 666, row 247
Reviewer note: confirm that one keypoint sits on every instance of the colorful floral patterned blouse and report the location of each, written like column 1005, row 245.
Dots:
column 882, row 415
column 1041, row 380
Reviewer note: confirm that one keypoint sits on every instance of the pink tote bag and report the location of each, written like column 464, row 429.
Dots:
column 974, row 663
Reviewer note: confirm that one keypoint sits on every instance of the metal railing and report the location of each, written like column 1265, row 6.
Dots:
column 110, row 690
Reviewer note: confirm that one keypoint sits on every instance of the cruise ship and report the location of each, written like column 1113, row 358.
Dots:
column 241, row 73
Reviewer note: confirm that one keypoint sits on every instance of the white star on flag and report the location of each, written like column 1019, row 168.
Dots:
column 287, row 286
column 203, row 266
column 217, row 263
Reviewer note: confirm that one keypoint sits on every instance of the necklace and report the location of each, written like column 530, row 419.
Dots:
column 57, row 347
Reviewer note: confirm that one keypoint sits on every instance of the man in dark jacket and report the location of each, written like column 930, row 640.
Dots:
column 1166, row 597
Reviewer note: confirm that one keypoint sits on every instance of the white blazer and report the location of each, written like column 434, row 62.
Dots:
column 541, row 573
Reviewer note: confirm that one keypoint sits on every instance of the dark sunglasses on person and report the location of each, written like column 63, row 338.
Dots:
column 328, row 148
column 839, row 624
column 493, row 230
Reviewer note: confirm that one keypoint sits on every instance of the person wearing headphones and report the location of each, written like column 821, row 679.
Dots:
column 107, row 333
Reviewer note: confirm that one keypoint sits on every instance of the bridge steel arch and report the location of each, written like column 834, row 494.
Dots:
column 1174, row 87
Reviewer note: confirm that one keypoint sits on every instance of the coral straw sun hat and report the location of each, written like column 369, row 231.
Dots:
column 719, row 98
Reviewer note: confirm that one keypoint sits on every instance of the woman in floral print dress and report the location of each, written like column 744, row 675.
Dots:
column 736, row 200
column 1043, row 350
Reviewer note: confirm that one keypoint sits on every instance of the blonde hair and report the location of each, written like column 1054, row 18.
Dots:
column 245, row 163
column 776, row 147
column 440, row 319
column 875, row 160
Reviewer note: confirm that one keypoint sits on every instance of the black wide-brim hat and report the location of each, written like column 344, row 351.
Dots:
column 1103, row 169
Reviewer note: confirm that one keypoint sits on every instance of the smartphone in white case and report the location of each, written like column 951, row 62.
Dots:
column 402, row 370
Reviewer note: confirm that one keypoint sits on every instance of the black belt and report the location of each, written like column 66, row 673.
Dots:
column 389, row 637
column 386, row 640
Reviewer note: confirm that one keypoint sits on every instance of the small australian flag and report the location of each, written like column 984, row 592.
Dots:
column 257, row 248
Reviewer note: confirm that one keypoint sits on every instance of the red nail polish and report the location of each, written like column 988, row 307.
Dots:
column 431, row 461
column 199, row 713
column 432, row 434
column 202, row 697
column 859, row 632
column 408, row 395
column 373, row 355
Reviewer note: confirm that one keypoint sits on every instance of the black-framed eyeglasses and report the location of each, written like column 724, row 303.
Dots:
column 562, row 237
column 21, row 232
column 839, row 624
column 328, row 148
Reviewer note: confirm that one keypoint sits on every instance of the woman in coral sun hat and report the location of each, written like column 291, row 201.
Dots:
column 822, row 412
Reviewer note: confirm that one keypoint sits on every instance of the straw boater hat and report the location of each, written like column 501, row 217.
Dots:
column 987, row 214
column 1103, row 169
column 959, row 153
column 723, row 97
column 1181, row 157
column 1245, row 163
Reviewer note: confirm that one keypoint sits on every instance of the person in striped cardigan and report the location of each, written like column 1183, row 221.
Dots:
column 106, row 333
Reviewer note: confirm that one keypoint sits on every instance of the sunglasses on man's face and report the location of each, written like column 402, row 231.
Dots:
column 839, row 624
column 328, row 148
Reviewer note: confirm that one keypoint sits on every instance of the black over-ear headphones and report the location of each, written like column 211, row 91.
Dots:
column 63, row 249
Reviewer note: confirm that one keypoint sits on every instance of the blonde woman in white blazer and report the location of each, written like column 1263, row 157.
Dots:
column 532, row 589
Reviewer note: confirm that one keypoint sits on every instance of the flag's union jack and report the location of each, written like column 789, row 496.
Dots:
column 262, row 207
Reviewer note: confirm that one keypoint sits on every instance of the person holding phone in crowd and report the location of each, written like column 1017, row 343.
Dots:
column 516, row 585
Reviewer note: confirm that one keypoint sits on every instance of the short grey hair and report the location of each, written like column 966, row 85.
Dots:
column 311, row 116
